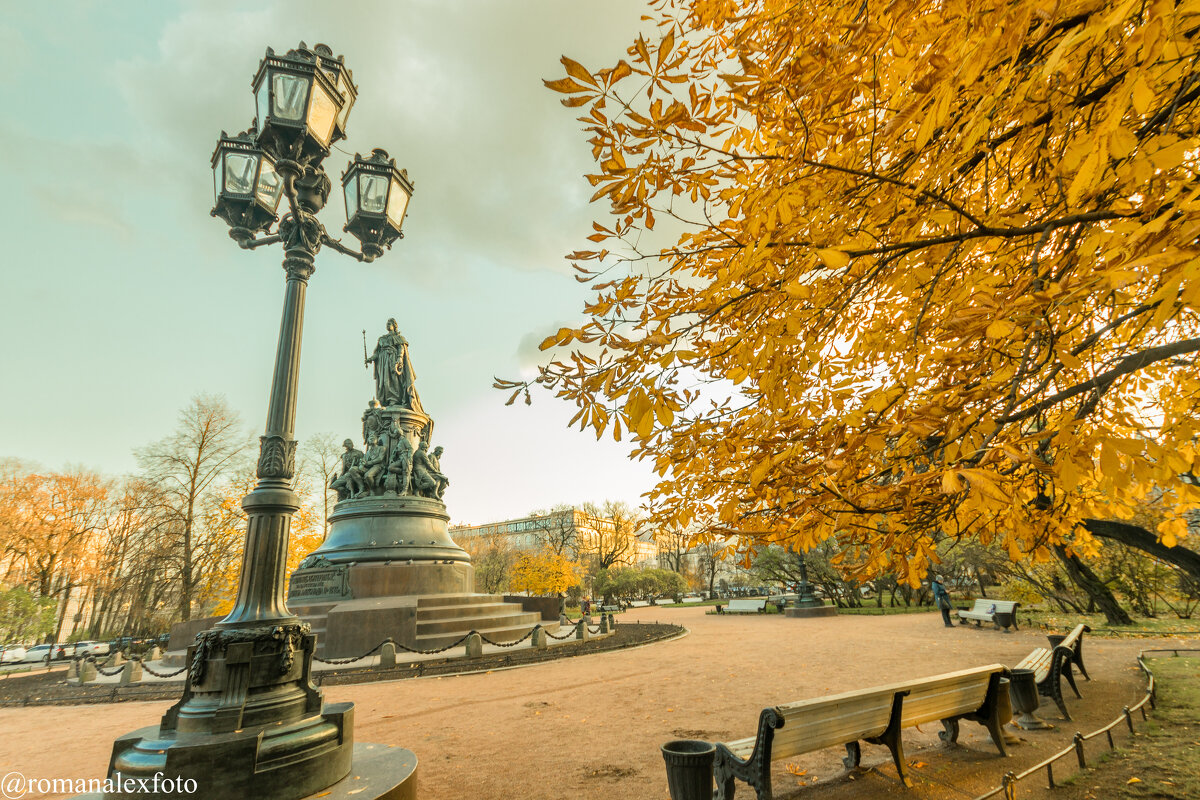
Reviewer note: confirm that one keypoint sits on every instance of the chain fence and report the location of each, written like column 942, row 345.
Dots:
column 1008, row 784
column 91, row 692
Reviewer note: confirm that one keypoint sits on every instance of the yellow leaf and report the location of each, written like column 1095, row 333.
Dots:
column 1085, row 178
column 577, row 71
column 834, row 259
column 1133, row 780
column 565, row 85
column 1000, row 329
column 951, row 483
column 1141, row 95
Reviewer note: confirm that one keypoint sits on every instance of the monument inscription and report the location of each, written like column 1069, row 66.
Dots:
column 319, row 583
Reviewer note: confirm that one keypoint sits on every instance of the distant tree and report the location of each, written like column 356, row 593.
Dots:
column 615, row 537
column 24, row 617
column 187, row 466
column 711, row 552
column 555, row 529
column 543, row 572
column 492, row 556
column 321, row 459
column 673, row 546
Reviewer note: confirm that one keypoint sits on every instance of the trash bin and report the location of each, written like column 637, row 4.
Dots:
column 689, row 768
column 1024, row 697
column 1055, row 640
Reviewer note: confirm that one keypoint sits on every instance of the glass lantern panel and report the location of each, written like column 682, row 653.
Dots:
column 343, row 87
column 218, row 170
column 270, row 186
column 239, row 173
column 290, row 94
column 397, row 203
column 262, row 104
column 374, row 192
column 322, row 114
column 351, row 197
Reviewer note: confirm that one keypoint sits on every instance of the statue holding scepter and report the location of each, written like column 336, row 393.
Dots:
column 395, row 380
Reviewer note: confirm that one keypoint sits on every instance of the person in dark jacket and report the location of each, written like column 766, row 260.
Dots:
column 942, row 599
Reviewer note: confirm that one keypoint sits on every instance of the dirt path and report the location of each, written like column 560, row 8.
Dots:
column 590, row 727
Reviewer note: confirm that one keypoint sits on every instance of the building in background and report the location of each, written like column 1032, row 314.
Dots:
column 584, row 536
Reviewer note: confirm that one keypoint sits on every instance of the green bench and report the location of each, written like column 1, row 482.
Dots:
column 994, row 611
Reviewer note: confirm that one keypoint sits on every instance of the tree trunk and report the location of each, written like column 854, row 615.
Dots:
column 1139, row 538
column 1089, row 582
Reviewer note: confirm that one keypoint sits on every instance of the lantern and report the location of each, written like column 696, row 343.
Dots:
column 297, row 106
column 377, row 196
column 247, row 186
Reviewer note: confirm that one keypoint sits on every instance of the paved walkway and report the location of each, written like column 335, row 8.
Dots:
column 590, row 727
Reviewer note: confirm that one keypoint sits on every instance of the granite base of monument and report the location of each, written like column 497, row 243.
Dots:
column 811, row 611
column 379, row 772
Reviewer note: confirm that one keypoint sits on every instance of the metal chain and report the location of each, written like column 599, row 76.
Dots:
column 157, row 674
column 342, row 661
column 510, row 644
column 560, row 638
column 104, row 672
column 595, row 630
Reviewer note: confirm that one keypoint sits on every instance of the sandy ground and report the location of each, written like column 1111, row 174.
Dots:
column 590, row 727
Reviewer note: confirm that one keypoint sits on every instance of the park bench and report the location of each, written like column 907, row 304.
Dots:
column 608, row 609
column 875, row 715
column 745, row 605
column 986, row 610
column 1051, row 664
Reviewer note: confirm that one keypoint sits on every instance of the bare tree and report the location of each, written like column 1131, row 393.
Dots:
column 321, row 459
column 614, row 535
column 492, row 555
column 186, row 465
column 556, row 529
column 673, row 548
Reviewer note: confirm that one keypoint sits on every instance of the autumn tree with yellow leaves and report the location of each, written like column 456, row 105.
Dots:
column 887, row 273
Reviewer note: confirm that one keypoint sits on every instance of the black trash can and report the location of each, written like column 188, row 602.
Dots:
column 1055, row 640
column 689, row 768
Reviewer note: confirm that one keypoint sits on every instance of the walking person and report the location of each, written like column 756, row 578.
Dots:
column 942, row 598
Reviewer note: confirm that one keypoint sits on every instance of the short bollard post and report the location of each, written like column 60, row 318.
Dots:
column 604, row 624
column 131, row 672
column 474, row 645
column 117, row 659
column 612, row 620
column 73, row 669
column 562, row 620
column 387, row 655
column 689, row 768
column 155, row 654
column 581, row 631
column 87, row 670
column 539, row 638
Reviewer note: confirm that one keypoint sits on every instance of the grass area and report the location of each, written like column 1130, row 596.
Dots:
column 1160, row 626
column 1162, row 759
column 875, row 610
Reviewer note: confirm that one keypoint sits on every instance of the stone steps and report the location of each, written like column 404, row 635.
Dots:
column 428, row 613
column 483, row 623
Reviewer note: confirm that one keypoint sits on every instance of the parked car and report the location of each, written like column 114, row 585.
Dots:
column 11, row 654
column 92, row 649
column 40, row 654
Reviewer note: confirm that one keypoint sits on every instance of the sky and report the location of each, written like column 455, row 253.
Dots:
column 121, row 298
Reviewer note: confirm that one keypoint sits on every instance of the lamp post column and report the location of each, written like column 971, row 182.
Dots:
column 260, row 598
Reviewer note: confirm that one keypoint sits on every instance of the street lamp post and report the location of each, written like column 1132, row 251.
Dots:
column 250, row 722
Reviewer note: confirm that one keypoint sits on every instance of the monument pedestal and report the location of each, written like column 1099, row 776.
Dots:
column 389, row 569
